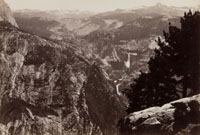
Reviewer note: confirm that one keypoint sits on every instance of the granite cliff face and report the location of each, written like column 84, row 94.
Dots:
column 181, row 117
column 40, row 85
column 46, row 87
column 6, row 14
column 100, row 102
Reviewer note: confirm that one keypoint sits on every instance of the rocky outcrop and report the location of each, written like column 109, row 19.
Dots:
column 6, row 14
column 181, row 117
column 44, row 88
column 101, row 98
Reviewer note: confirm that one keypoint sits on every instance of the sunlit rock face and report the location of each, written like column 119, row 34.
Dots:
column 181, row 117
column 6, row 14
column 41, row 84
column 44, row 88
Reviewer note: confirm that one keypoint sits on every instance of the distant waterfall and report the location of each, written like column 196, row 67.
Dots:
column 117, row 89
column 128, row 62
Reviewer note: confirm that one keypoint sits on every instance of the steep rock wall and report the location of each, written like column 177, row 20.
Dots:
column 44, row 88
column 105, row 106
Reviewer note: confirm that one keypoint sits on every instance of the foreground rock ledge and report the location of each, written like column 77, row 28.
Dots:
column 180, row 117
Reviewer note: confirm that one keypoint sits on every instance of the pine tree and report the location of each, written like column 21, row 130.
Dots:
column 174, row 71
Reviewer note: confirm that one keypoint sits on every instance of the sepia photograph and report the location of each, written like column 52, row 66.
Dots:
column 99, row 67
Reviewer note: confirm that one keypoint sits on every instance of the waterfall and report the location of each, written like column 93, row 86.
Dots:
column 117, row 89
column 128, row 62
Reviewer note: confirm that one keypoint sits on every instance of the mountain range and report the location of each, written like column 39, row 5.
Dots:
column 85, row 22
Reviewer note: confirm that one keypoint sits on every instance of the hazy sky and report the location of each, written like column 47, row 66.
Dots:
column 94, row 5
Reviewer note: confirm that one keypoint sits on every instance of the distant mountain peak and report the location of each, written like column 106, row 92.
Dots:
column 6, row 14
column 160, row 5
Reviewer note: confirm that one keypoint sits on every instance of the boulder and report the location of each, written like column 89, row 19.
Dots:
column 180, row 117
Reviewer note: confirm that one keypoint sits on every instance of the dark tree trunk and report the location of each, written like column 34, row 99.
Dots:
column 184, row 93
